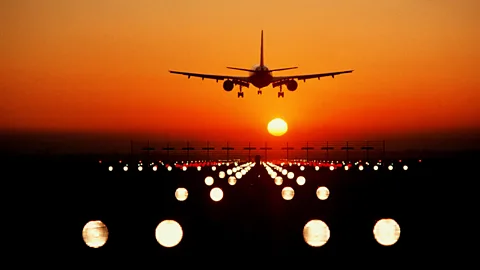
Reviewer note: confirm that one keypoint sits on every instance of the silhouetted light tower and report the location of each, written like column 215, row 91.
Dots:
column 266, row 149
column 228, row 150
column 249, row 148
column 188, row 149
column 148, row 149
column 168, row 149
column 367, row 148
column 287, row 149
column 208, row 148
column 327, row 148
column 307, row 148
column 347, row 148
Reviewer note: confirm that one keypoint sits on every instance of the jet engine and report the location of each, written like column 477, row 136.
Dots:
column 292, row 85
column 228, row 85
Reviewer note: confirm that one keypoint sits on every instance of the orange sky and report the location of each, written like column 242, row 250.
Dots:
column 102, row 66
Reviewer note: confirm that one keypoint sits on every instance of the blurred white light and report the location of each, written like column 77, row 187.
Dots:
column 238, row 175
column 288, row 193
column 316, row 233
column 390, row 167
column 221, row 174
column 181, row 194
column 216, row 194
column 290, row 175
column 169, row 168
column 301, row 180
column 405, row 167
column 209, row 180
column 323, row 193
column 386, row 232
column 332, row 168
column 169, row 233
column 232, row 180
column 214, row 168
column 95, row 234
column 110, row 168
column 140, row 168
column 125, row 168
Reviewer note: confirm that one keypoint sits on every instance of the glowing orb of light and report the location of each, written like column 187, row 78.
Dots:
column 95, row 234
column 140, row 168
column 232, row 180
column 243, row 172
column 390, row 167
column 290, row 175
column 323, row 193
column 169, row 233
column 199, row 168
column 284, row 171
column 209, row 180
column 214, row 168
column 221, row 174
column 316, row 233
column 317, row 168
column 110, row 168
column 375, row 168
column 302, row 168
column 154, row 168
column 181, row 194
column 216, row 194
column 169, row 168
column 238, row 175
column 125, row 168
column 332, row 168
column 273, row 174
column 277, row 127
column 301, row 180
column 346, row 168
column 229, row 172
column 360, row 167
column 288, row 193
column 405, row 167
column 386, row 232
column 278, row 180
column 184, row 168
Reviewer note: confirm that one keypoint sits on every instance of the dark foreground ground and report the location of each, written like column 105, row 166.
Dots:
column 58, row 196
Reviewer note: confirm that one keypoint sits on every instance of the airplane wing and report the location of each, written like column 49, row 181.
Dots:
column 310, row 76
column 213, row 77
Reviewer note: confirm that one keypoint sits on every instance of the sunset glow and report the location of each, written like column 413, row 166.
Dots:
column 102, row 67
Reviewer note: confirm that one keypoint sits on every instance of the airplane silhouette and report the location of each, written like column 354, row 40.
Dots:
column 260, row 76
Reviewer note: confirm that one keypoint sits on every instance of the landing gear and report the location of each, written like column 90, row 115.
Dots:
column 240, row 94
column 259, row 92
column 281, row 94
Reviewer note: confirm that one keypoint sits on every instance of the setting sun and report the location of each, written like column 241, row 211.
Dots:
column 277, row 127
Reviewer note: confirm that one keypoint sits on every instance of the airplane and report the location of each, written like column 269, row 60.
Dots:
column 260, row 76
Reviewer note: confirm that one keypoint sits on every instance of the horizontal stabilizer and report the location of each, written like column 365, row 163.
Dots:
column 243, row 69
column 280, row 69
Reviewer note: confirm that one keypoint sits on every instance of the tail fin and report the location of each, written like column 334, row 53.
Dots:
column 261, row 51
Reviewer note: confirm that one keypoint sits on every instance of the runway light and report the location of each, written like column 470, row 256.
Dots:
column 199, row 168
column 288, row 193
column 232, row 180
column 405, row 167
column 316, row 233
column 278, row 180
column 221, row 174
column 375, row 168
column 284, row 171
column 209, row 180
column 317, row 168
column 184, row 168
column 390, row 167
column 154, row 168
column 214, row 168
column 301, row 180
column 181, row 194
column 243, row 172
column 229, row 172
column 125, row 168
column 290, row 175
column 360, row 167
column 95, row 234
column 346, row 167
column 332, row 168
column 323, row 193
column 169, row 168
column 216, row 194
column 110, row 168
column 169, row 233
column 140, row 168
column 238, row 175
column 386, row 232
column 302, row 168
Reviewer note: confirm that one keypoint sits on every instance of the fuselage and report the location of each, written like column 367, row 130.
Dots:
column 261, row 77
